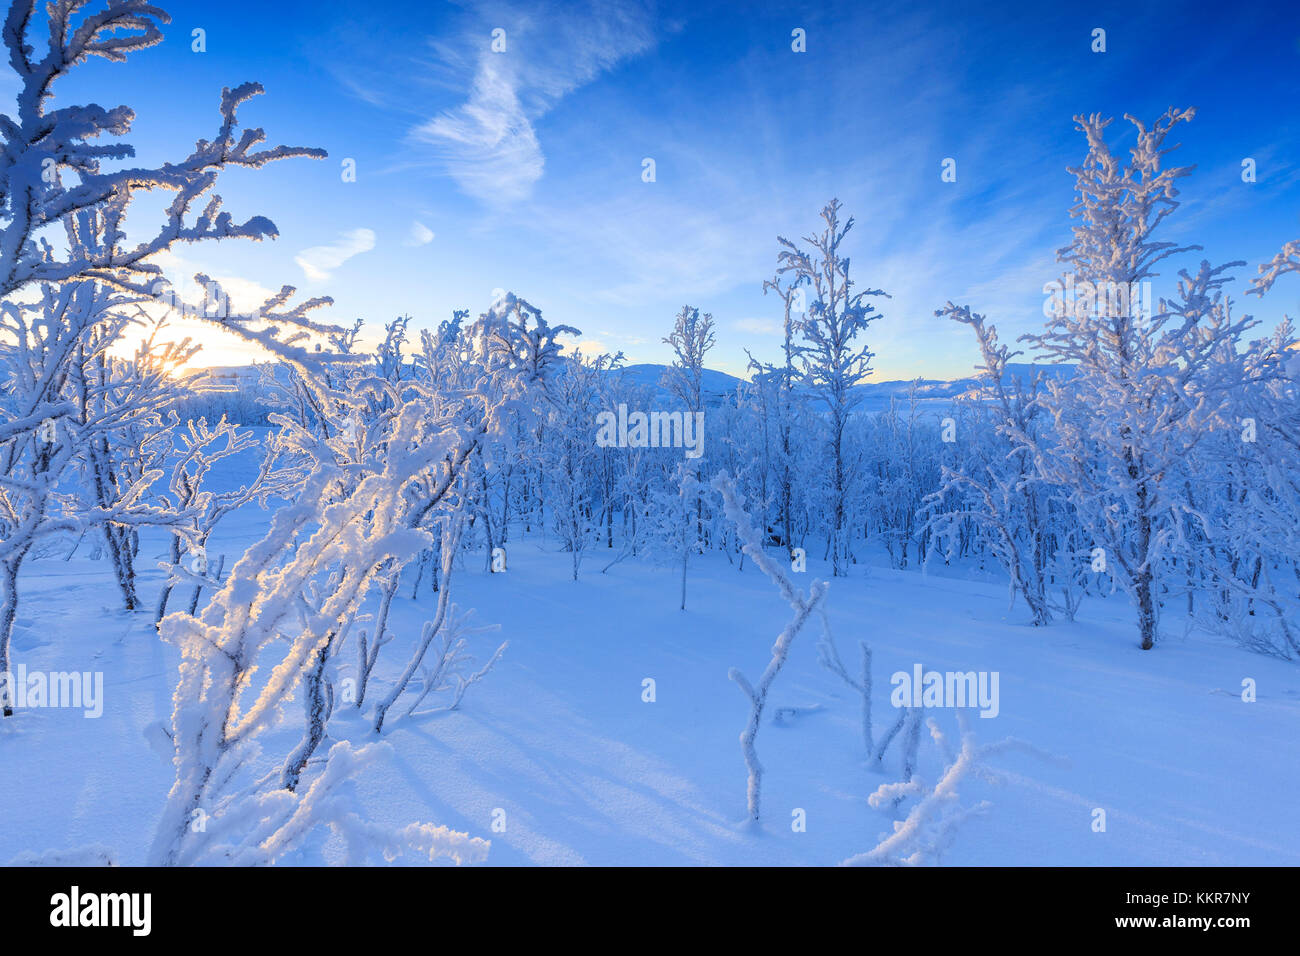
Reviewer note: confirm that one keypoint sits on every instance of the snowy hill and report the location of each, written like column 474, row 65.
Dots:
column 647, row 375
column 933, row 394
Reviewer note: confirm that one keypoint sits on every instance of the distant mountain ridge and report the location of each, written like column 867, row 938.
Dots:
column 872, row 396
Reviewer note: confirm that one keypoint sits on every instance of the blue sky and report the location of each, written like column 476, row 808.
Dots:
column 522, row 170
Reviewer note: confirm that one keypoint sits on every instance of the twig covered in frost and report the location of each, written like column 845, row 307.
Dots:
column 803, row 605
column 908, row 717
column 890, row 735
column 52, row 159
column 450, row 670
column 926, row 831
column 1288, row 260
column 199, row 447
column 368, row 650
column 912, row 741
column 450, row 542
column 829, row 656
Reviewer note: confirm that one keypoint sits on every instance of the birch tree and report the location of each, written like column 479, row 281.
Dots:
column 833, row 360
column 1145, row 388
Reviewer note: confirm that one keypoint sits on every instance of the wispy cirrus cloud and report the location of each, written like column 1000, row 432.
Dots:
column 489, row 144
column 319, row 261
column 421, row 235
column 758, row 326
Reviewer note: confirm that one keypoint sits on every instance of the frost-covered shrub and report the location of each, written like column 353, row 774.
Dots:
column 928, row 829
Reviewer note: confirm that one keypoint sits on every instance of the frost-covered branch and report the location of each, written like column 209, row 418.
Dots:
column 51, row 160
column 927, row 830
column 802, row 605
column 346, row 528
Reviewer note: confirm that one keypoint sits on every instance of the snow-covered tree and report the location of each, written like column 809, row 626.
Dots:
column 691, row 339
column 81, row 436
column 784, row 379
column 1145, row 389
column 1244, row 563
column 285, row 600
column 998, row 488
column 896, row 455
column 118, row 462
column 104, row 410
column 671, row 520
column 832, row 359
column 634, row 472
column 570, row 456
column 469, row 382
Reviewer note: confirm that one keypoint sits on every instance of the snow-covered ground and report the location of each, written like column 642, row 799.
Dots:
column 559, row 737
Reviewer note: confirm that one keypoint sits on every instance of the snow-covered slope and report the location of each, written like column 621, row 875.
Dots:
column 560, row 739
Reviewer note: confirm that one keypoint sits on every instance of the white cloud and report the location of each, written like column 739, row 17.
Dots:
column 758, row 326
column 590, row 348
column 421, row 235
column 488, row 144
column 636, row 249
column 319, row 261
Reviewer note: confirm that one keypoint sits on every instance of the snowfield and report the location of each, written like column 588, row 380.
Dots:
column 559, row 738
